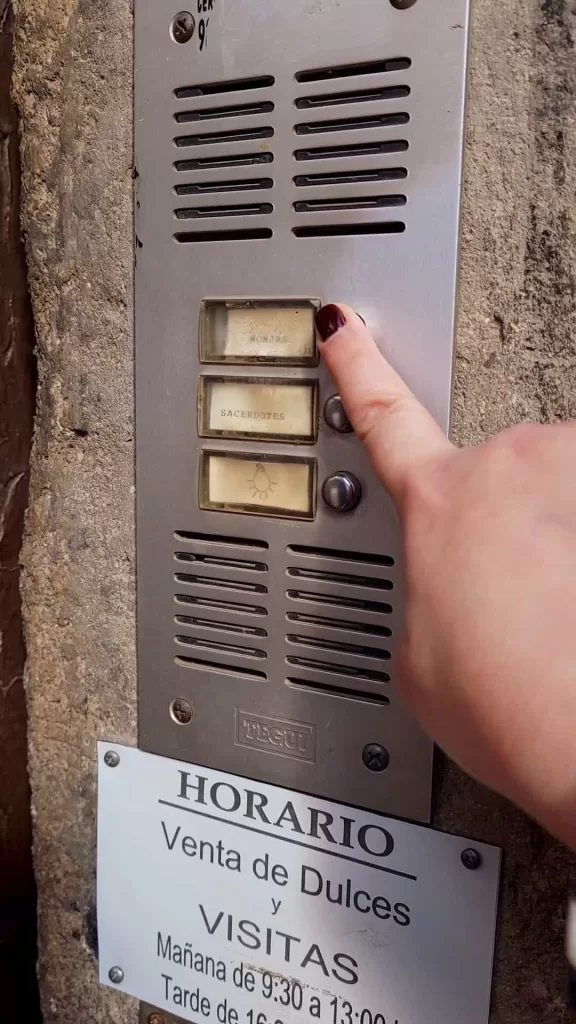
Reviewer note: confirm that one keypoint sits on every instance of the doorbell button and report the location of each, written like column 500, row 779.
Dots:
column 342, row 492
column 336, row 416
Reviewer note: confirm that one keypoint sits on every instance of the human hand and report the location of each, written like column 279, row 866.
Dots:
column 488, row 659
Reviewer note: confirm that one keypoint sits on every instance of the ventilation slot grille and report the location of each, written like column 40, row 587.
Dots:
column 223, row 152
column 349, row 195
column 374, row 67
column 221, row 596
column 336, row 640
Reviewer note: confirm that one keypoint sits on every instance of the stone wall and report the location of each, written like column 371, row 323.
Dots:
column 17, row 390
column 73, row 88
column 515, row 361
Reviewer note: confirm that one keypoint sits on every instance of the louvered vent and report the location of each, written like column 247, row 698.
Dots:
column 221, row 604
column 338, row 606
column 223, row 137
column 356, row 131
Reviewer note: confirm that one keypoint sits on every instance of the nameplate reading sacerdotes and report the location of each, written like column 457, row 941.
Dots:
column 234, row 902
column 267, row 409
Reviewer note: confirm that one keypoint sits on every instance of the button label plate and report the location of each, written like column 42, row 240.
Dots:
column 259, row 331
column 267, row 409
column 258, row 485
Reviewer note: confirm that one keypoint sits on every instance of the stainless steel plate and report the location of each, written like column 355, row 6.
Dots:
column 302, row 150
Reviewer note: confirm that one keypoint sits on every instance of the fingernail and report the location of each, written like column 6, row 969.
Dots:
column 329, row 319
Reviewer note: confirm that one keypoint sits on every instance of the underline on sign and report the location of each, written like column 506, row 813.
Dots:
column 293, row 842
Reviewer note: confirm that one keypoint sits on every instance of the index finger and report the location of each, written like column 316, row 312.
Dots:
column 398, row 432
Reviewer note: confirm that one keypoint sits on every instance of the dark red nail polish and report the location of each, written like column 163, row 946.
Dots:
column 329, row 319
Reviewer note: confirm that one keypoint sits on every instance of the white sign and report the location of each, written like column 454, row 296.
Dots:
column 228, row 901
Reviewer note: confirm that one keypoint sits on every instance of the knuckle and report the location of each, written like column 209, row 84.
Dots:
column 522, row 439
column 427, row 495
column 423, row 490
column 521, row 443
column 374, row 410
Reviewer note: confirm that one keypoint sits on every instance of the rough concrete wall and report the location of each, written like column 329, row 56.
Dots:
column 73, row 88
column 516, row 361
column 17, row 390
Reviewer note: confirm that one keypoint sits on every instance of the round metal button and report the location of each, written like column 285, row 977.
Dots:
column 336, row 416
column 342, row 492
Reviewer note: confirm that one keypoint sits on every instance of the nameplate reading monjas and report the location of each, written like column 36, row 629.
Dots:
column 228, row 901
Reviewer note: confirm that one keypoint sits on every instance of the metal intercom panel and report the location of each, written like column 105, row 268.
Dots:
column 287, row 154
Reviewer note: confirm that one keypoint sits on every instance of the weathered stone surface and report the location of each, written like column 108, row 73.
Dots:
column 516, row 361
column 73, row 88
column 17, row 390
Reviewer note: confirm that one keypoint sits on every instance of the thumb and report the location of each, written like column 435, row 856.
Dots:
column 398, row 432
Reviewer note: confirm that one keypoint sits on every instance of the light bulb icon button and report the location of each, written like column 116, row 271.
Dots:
column 261, row 484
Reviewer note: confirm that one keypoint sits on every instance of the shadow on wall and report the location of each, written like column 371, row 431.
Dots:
column 19, row 999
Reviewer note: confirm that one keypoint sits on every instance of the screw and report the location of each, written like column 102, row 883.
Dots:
column 376, row 757
column 402, row 5
column 183, row 26
column 181, row 711
column 116, row 975
column 155, row 1018
column 111, row 758
column 471, row 859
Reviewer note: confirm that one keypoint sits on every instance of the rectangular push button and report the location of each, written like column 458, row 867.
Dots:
column 259, row 331
column 266, row 409
column 258, row 485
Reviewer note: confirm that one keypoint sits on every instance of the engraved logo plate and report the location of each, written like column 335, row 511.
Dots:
column 276, row 735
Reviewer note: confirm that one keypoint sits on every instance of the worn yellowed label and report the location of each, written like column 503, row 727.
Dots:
column 269, row 333
column 238, row 407
column 284, row 486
